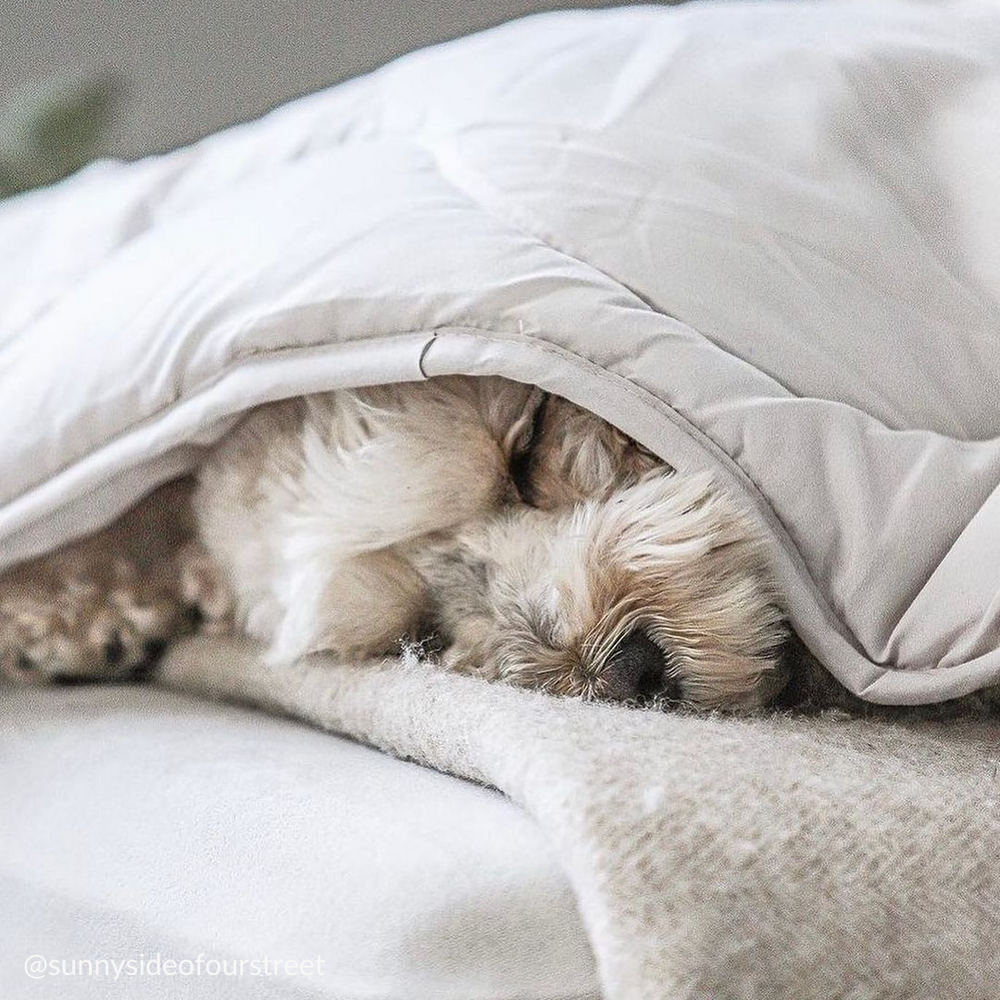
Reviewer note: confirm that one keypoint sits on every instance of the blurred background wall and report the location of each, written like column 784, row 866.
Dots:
column 191, row 67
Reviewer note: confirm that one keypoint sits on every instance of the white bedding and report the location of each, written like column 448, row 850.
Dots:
column 137, row 822
column 761, row 238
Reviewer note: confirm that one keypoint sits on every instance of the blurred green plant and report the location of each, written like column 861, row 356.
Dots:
column 52, row 128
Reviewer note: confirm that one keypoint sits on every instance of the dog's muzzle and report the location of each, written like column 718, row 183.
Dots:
column 637, row 671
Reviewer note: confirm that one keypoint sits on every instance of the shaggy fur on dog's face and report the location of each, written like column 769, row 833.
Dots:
column 656, row 592
column 534, row 541
column 614, row 578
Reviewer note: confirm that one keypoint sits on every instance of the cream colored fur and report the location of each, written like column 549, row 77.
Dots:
column 522, row 536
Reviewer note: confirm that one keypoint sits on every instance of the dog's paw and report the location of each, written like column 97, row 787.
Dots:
column 204, row 590
column 104, row 623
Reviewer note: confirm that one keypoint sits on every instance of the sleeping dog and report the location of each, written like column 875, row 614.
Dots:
column 523, row 537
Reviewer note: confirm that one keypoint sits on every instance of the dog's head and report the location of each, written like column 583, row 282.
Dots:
column 618, row 579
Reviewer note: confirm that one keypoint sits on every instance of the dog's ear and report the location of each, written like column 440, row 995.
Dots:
column 578, row 456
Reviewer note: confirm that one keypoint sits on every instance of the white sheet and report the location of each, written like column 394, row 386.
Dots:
column 137, row 823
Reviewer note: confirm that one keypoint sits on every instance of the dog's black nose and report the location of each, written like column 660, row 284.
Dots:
column 114, row 649
column 637, row 671
column 153, row 649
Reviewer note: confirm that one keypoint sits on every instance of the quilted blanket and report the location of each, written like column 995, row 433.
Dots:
column 760, row 238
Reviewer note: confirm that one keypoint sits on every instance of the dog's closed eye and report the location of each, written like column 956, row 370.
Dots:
column 523, row 449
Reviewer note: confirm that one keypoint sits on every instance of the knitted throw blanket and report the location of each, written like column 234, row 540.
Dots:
column 713, row 858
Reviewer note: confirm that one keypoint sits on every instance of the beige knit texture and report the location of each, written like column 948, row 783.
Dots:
column 712, row 858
